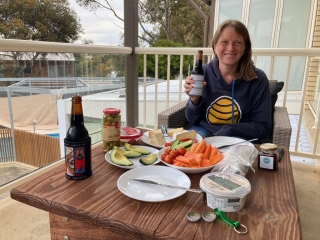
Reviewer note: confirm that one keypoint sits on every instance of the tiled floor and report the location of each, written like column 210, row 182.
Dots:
column 303, row 141
column 9, row 173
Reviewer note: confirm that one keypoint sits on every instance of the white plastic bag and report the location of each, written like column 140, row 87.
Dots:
column 237, row 159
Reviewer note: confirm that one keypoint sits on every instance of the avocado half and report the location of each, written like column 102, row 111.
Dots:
column 131, row 154
column 129, row 147
column 118, row 158
column 149, row 159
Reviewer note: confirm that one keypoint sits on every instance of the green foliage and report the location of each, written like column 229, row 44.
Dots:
column 162, row 59
column 101, row 65
column 42, row 20
column 186, row 26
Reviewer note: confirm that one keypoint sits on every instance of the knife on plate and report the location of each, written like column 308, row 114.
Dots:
column 165, row 185
column 229, row 145
column 165, row 134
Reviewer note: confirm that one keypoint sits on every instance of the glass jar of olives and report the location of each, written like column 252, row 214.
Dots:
column 111, row 125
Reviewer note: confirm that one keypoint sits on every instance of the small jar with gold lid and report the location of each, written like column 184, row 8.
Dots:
column 268, row 156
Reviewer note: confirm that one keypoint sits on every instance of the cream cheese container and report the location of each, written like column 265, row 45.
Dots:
column 130, row 135
column 225, row 191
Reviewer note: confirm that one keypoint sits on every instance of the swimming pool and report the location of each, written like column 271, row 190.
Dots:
column 55, row 135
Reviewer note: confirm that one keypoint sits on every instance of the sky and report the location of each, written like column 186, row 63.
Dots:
column 99, row 26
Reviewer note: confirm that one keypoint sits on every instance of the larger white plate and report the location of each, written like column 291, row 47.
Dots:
column 153, row 193
column 135, row 161
column 184, row 169
column 145, row 138
column 221, row 140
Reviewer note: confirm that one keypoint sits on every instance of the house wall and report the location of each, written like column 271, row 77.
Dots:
column 38, row 69
column 312, row 81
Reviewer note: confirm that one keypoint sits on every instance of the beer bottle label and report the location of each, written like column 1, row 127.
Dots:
column 75, row 161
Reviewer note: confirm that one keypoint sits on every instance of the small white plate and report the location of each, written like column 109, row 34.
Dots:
column 153, row 193
column 145, row 138
column 221, row 140
column 135, row 160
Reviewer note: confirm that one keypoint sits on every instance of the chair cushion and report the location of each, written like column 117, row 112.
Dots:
column 275, row 87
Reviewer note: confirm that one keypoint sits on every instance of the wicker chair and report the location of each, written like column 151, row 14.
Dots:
column 174, row 117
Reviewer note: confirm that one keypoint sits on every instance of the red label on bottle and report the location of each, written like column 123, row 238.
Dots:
column 75, row 161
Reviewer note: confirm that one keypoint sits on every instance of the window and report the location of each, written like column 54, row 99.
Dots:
column 58, row 71
column 28, row 70
column 2, row 75
column 62, row 71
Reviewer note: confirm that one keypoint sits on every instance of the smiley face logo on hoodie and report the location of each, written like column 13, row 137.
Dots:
column 220, row 111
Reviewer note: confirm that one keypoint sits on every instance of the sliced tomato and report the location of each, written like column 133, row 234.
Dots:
column 167, row 150
column 168, row 144
column 182, row 151
column 185, row 139
column 163, row 156
column 175, row 153
column 168, row 159
column 194, row 140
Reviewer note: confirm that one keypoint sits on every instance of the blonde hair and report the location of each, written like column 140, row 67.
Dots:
column 245, row 66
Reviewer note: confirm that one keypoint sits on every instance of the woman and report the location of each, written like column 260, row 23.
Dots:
column 236, row 96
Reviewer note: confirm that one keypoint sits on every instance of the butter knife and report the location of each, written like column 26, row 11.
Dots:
column 229, row 145
column 164, row 185
column 165, row 134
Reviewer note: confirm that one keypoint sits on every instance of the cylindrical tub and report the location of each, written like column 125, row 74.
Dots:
column 130, row 135
column 225, row 191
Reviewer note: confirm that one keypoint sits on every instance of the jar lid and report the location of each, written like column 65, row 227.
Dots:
column 111, row 111
column 193, row 216
column 268, row 146
column 130, row 133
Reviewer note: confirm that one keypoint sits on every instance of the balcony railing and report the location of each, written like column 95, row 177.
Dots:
column 297, row 100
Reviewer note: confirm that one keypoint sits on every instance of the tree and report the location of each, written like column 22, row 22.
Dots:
column 174, row 24
column 41, row 20
column 173, row 20
column 162, row 59
column 100, row 65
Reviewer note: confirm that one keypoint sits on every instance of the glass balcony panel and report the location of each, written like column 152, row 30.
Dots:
column 231, row 9
column 41, row 87
column 294, row 24
column 260, row 24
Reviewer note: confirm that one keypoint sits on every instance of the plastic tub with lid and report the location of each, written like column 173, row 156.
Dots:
column 130, row 135
column 225, row 191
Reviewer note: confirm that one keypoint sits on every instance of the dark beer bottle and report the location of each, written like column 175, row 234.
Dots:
column 198, row 67
column 77, row 144
column 198, row 76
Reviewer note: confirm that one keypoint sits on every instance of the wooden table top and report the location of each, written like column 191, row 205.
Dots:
column 270, row 211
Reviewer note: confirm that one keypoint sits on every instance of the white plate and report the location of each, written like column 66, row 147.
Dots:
column 145, row 138
column 184, row 169
column 221, row 140
column 135, row 160
column 153, row 193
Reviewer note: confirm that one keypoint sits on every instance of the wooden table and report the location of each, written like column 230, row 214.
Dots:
column 94, row 208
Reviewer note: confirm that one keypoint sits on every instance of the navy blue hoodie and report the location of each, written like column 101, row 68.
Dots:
column 250, row 105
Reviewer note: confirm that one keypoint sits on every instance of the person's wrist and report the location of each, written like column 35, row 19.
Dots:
column 195, row 100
